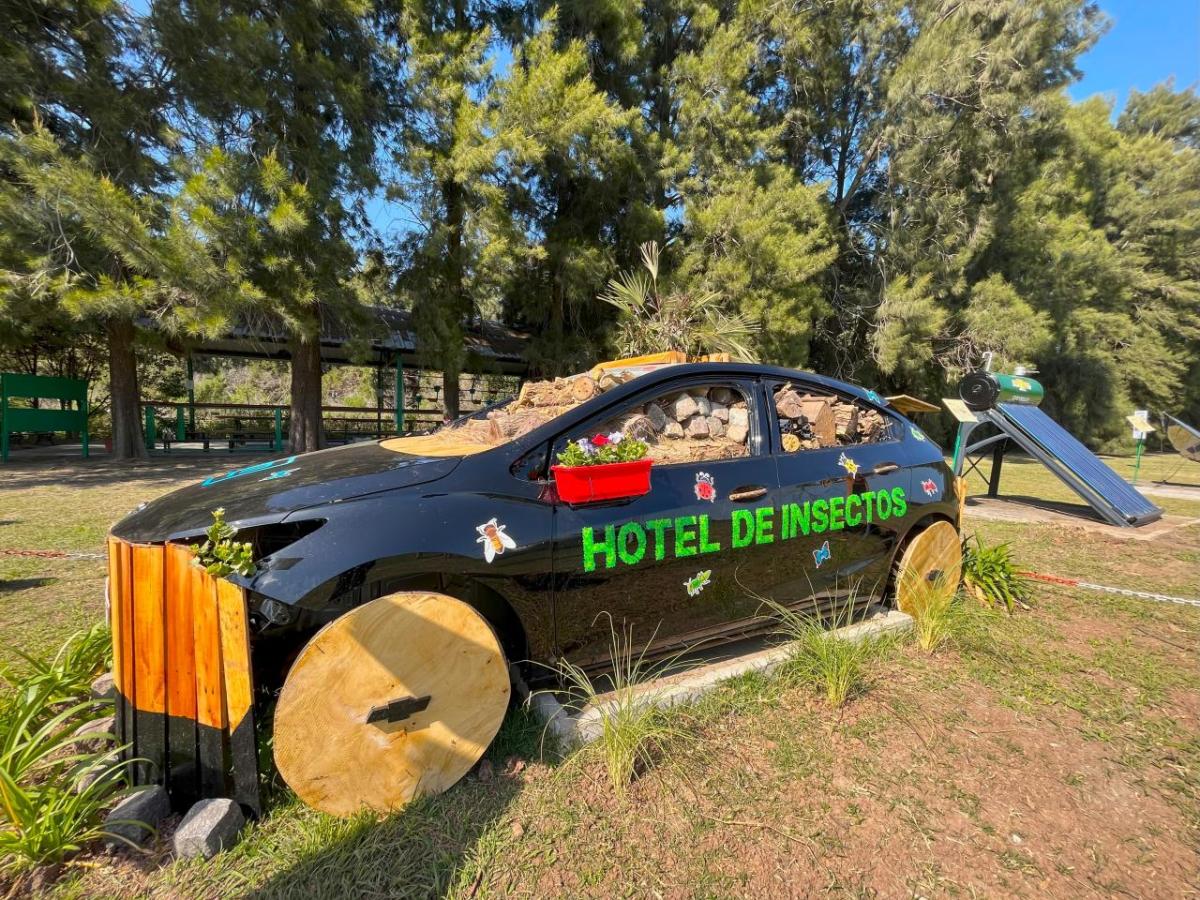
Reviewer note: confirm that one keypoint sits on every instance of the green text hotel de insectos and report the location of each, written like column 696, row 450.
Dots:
column 689, row 535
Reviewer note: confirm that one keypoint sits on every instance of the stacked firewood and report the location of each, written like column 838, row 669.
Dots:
column 809, row 422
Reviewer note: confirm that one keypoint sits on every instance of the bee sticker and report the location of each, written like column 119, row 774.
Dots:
column 706, row 487
column 916, row 432
column 848, row 464
column 821, row 554
column 1021, row 384
column 698, row 582
column 929, row 486
column 495, row 541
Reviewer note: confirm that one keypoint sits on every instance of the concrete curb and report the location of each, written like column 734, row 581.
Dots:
column 576, row 728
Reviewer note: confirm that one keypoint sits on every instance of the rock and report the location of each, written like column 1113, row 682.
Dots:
column 739, row 417
column 209, row 827
column 640, row 427
column 703, row 406
column 674, row 431
column 104, row 688
column 137, row 817
column 657, row 417
column 696, row 427
column 484, row 772
column 698, row 392
column 721, row 412
column 518, row 830
column 98, row 732
column 721, row 395
column 737, row 433
column 716, row 427
column 683, row 408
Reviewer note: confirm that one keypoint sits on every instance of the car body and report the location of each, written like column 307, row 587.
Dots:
column 337, row 528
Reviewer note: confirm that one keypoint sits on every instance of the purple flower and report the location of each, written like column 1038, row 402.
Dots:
column 586, row 446
column 616, row 437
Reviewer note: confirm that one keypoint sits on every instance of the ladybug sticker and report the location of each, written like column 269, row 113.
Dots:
column 706, row 487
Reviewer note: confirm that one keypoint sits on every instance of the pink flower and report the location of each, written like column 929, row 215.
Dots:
column 600, row 440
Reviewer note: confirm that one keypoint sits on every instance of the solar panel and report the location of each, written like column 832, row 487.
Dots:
column 1075, row 461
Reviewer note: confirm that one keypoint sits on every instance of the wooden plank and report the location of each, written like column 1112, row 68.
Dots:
column 210, row 694
column 930, row 567
column 115, row 624
column 239, row 692
column 121, row 589
column 182, row 774
column 149, row 662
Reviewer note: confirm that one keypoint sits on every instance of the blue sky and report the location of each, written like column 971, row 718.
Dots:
column 1147, row 42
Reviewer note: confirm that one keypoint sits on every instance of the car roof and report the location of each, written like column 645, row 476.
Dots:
column 680, row 372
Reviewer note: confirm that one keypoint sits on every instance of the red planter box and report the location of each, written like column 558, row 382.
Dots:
column 611, row 481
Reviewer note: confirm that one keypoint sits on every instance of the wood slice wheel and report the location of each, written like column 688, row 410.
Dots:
column 397, row 698
column 931, row 560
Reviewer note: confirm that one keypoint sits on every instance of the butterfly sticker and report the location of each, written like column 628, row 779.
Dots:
column 706, row 487
column 821, row 554
column 929, row 486
column 279, row 473
column 848, row 464
column 698, row 582
column 874, row 398
column 494, row 539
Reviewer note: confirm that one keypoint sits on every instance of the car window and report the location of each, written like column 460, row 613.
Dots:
column 699, row 424
column 814, row 420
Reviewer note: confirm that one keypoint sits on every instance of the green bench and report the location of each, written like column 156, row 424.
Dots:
column 26, row 419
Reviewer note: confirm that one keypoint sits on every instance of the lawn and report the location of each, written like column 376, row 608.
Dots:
column 1053, row 753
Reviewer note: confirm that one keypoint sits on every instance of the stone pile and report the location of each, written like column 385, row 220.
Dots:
column 698, row 424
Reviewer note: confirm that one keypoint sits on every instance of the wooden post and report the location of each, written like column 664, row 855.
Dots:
column 997, row 463
column 399, row 395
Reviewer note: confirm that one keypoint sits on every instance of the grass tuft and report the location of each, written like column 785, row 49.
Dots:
column 837, row 666
column 634, row 730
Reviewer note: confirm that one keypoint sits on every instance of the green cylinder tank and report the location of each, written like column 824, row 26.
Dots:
column 983, row 390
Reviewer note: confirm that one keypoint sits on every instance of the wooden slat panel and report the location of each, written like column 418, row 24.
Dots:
column 116, row 623
column 181, row 676
column 149, row 663
column 210, row 695
column 235, row 658
column 122, row 599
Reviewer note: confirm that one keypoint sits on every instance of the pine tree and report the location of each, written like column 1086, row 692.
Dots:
column 294, row 97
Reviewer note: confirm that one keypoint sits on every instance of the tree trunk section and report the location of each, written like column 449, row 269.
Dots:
column 450, row 388
column 304, row 431
column 127, row 439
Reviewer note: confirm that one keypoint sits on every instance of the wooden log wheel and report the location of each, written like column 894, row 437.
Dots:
column 931, row 562
column 396, row 699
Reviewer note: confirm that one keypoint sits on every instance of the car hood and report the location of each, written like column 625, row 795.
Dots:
column 263, row 492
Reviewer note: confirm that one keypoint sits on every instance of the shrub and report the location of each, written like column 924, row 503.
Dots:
column 991, row 576
column 633, row 729
column 937, row 612
column 833, row 664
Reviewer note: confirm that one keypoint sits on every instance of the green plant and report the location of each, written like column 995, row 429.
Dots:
column 53, row 787
column 652, row 320
column 832, row 663
column 633, row 729
column 601, row 449
column 220, row 555
column 70, row 672
column 991, row 576
column 937, row 612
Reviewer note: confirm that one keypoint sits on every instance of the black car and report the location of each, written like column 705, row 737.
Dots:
column 800, row 488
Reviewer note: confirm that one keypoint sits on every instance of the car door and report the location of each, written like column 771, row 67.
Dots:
column 843, row 492
column 684, row 563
